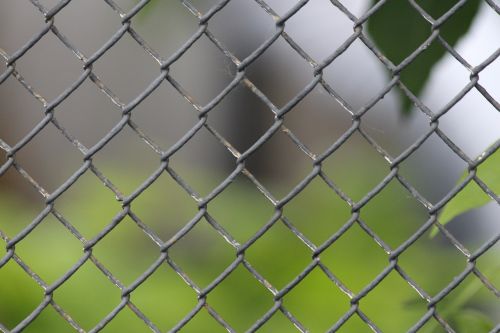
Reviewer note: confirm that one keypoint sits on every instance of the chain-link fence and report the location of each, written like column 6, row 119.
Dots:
column 431, row 316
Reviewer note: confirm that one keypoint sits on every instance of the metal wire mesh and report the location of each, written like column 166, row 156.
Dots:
column 203, row 112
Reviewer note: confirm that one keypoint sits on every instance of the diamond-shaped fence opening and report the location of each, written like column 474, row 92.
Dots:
column 317, row 211
column 58, row 256
column 360, row 73
column 76, row 114
column 250, row 119
column 203, row 253
column 176, row 109
column 90, row 288
column 20, row 11
column 328, row 126
column 406, row 310
column 350, row 267
column 49, row 140
column 327, row 303
column 72, row 21
column 15, row 215
column 241, row 209
column 485, row 113
column 132, row 74
column 18, row 104
column 268, row 70
column 279, row 272
column 246, row 165
column 250, row 35
column 177, row 22
column 137, row 261
column 164, row 292
column 337, row 29
column 48, row 76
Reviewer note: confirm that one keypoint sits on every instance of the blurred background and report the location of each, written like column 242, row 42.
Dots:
column 241, row 118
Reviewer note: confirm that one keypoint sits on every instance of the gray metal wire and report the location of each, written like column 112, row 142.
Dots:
column 241, row 79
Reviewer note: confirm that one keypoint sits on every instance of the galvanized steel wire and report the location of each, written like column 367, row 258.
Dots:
column 240, row 79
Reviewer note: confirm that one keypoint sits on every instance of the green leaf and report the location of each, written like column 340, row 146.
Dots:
column 472, row 196
column 470, row 320
column 467, row 320
column 398, row 30
column 459, row 308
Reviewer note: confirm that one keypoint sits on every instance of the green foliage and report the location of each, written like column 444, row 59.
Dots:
column 461, row 315
column 467, row 309
column 472, row 196
column 459, row 309
column 470, row 320
column 398, row 30
column 279, row 256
